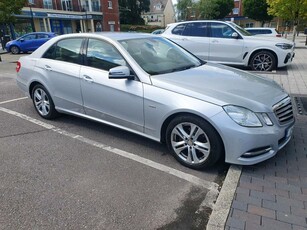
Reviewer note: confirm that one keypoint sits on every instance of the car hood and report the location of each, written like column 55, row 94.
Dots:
column 223, row 85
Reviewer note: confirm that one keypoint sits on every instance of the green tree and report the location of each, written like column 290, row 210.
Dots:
column 184, row 8
column 257, row 10
column 130, row 11
column 9, row 8
column 224, row 7
column 214, row 9
column 290, row 10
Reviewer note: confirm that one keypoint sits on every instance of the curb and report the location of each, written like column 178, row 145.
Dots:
column 221, row 209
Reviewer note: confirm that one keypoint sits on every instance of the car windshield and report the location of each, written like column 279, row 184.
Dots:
column 240, row 29
column 159, row 56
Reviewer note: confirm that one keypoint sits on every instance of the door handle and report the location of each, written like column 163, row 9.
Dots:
column 48, row 68
column 215, row 41
column 88, row 78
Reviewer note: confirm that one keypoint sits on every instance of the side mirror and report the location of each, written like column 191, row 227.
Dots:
column 21, row 39
column 235, row 35
column 120, row 72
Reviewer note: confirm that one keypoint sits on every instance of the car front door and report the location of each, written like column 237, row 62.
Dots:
column 116, row 101
column 224, row 48
column 192, row 36
column 27, row 42
column 60, row 68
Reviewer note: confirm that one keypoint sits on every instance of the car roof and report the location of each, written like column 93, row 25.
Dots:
column 112, row 35
column 183, row 22
column 260, row 28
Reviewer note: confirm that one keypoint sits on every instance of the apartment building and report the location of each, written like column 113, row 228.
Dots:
column 161, row 13
column 68, row 16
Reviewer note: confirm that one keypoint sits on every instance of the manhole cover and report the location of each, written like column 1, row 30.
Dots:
column 301, row 104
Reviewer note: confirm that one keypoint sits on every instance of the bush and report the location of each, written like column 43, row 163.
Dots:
column 139, row 28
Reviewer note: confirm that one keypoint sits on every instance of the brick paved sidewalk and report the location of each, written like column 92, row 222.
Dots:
column 273, row 194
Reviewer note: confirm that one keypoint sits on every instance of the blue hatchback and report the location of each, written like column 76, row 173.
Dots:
column 28, row 42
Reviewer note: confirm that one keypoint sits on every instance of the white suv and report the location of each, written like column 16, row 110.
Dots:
column 228, row 43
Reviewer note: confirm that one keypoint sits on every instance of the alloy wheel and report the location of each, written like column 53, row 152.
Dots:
column 262, row 62
column 41, row 101
column 190, row 143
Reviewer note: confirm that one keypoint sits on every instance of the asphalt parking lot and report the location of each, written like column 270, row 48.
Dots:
column 72, row 173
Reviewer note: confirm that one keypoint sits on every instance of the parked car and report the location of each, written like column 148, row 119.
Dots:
column 228, row 43
column 158, row 31
column 28, row 42
column 263, row 31
column 150, row 86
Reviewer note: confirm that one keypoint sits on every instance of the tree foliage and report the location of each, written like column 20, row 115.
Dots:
column 130, row 11
column 9, row 8
column 224, row 7
column 215, row 9
column 288, row 9
column 257, row 10
column 183, row 8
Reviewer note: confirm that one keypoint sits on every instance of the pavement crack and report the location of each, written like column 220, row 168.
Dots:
column 24, row 133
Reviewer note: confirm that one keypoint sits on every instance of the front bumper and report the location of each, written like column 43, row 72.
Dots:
column 285, row 57
column 248, row 146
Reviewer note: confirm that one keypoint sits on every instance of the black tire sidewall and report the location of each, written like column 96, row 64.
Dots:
column 18, row 49
column 216, row 144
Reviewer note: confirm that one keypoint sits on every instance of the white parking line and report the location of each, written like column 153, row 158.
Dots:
column 211, row 186
column 17, row 99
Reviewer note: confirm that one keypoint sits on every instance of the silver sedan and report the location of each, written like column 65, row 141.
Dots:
column 148, row 85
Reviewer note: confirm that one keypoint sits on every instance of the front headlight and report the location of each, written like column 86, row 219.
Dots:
column 285, row 46
column 242, row 116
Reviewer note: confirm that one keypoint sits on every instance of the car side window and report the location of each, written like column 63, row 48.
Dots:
column 220, row 30
column 195, row 29
column 29, row 37
column 103, row 55
column 39, row 36
column 267, row 31
column 179, row 29
column 67, row 50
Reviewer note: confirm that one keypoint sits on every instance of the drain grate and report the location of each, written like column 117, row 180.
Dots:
column 301, row 104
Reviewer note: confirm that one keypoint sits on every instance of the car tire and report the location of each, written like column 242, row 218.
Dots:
column 43, row 102
column 194, row 142
column 263, row 61
column 15, row 50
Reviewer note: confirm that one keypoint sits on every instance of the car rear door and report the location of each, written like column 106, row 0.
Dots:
column 223, row 47
column 192, row 36
column 59, row 70
column 118, row 101
column 40, row 39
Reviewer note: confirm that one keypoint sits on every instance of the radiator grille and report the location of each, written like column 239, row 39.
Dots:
column 284, row 111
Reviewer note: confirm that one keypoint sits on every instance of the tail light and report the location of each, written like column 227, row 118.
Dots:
column 278, row 35
column 18, row 66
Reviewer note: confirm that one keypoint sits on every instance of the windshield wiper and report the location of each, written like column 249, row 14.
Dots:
column 183, row 68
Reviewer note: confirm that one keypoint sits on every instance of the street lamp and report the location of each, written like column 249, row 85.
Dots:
column 32, row 18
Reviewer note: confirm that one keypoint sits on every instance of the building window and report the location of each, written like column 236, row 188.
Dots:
column 67, row 5
column 48, row 4
column 249, row 25
column 41, row 25
column 235, row 10
column 96, row 5
column 110, row 5
column 31, row 2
